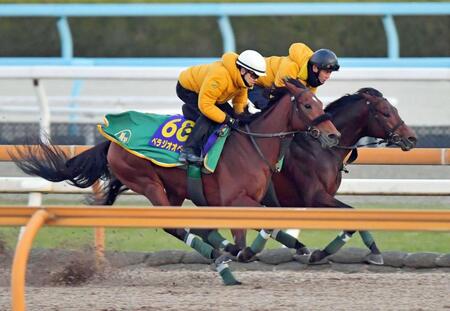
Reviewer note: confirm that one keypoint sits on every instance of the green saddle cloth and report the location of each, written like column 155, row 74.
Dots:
column 157, row 138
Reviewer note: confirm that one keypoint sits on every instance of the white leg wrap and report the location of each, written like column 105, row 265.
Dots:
column 225, row 243
column 189, row 239
column 274, row 233
column 345, row 237
column 221, row 267
column 293, row 232
column 264, row 234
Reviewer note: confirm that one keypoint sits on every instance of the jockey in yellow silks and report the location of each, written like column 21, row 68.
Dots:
column 206, row 89
column 311, row 68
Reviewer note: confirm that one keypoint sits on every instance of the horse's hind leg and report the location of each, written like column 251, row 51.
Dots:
column 248, row 253
column 207, row 251
column 216, row 240
column 374, row 257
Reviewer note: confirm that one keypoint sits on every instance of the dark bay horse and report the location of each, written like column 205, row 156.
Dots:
column 241, row 177
column 311, row 175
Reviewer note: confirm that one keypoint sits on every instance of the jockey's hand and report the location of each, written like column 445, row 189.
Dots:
column 231, row 122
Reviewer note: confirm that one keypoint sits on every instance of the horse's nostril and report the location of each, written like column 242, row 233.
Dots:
column 412, row 140
column 333, row 137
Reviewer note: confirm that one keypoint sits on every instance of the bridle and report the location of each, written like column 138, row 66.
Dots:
column 312, row 129
column 374, row 113
column 392, row 137
column 286, row 137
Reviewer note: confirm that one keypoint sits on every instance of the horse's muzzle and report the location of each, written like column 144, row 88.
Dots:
column 407, row 143
column 329, row 141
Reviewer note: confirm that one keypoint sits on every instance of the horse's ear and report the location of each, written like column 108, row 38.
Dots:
column 292, row 84
column 368, row 97
column 370, row 91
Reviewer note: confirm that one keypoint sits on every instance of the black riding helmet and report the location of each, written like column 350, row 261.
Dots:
column 325, row 59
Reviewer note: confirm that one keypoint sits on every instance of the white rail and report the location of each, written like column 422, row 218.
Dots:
column 421, row 187
column 154, row 90
column 171, row 73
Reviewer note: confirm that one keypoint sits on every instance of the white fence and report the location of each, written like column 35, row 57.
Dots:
column 84, row 94
column 423, row 187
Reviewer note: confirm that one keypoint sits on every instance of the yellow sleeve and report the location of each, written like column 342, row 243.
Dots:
column 286, row 70
column 240, row 101
column 210, row 91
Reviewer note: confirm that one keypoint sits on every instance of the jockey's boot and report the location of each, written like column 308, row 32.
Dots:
column 192, row 148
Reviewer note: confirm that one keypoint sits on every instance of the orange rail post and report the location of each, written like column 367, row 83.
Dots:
column 99, row 233
column 21, row 259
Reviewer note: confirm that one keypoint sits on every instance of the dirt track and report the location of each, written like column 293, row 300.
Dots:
column 199, row 288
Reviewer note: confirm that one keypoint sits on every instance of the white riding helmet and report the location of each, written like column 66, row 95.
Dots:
column 253, row 61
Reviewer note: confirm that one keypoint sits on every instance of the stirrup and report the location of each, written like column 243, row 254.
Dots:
column 192, row 158
column 182, row 157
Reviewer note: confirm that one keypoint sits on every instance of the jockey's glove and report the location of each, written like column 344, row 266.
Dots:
column 231, row 122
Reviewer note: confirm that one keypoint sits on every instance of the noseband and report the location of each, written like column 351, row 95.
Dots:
column 312, row 129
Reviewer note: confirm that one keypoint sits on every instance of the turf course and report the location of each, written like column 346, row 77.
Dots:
column 156, row 239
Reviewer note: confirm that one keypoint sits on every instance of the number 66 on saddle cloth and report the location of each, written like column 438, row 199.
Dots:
column 160, row 138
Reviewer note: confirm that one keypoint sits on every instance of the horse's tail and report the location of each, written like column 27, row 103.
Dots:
column 111, row 189
column 51, row 163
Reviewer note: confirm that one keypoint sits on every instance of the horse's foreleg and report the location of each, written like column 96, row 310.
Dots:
column 239, row 237
column 248, row 253
column 290, row 242
column 215, row 239
column 258, row 244
column 319, row 256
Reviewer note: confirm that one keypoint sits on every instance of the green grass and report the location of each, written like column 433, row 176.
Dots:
column 156, row 239
column 121, row 239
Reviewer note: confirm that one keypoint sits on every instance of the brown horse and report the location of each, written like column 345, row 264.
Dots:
column 312, row 175
column 240, row 179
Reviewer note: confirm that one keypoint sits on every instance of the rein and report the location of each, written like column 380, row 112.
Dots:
column 390, row 132
column 271, row 135
column 312, row 131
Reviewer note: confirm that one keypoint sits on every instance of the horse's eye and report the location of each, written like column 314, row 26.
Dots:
column 387, row 114
column 307, row 106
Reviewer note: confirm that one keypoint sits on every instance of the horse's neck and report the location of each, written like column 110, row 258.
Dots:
column 275, row 120
column 352, row 129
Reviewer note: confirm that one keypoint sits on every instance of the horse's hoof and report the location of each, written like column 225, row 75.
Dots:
column 246, row 255
column 374, row 259
column 303, row 251
column 232, row 249
column 318, row 257
column 236, row 282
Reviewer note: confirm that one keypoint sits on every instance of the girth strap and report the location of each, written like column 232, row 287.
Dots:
column 271, row 199
column 195, row 185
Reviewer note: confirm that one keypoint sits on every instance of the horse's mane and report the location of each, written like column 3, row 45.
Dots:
column 340, row 103
column 275, row 95
column 279, row 92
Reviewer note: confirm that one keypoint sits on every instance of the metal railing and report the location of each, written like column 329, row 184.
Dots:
column 169, row 217
column 223, row 12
